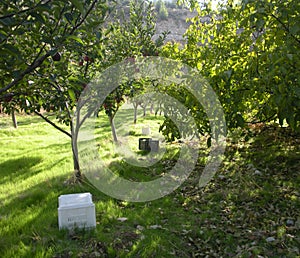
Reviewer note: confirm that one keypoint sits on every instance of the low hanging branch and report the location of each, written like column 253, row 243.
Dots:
column 28, row 70
column 53, row 124
column 39, row 61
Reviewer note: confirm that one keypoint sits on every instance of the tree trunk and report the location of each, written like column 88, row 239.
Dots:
column 73, row 136
column 14, row 119
column 135, row 106
column 151, row 108
column 76, row 166
column 113, row 128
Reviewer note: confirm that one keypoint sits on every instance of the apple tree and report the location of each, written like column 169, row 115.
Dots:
column 49, row 50
column 130, row 39
column 249, row 53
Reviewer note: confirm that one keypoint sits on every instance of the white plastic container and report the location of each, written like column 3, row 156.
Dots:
column 76, row 211
column 146, row 130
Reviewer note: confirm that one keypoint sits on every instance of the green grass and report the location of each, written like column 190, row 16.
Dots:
column 252, row 197
column 117, row 157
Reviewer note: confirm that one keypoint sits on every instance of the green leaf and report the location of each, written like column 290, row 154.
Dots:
column 281, row 88
column 290, row 57
column 2, row 36
column 44, row 8
column 76, row 39
column 78, row 5
column 4, row 33
column 47, row 40
column 240, row 120
column 12, row 49
column 38, row 17
column 260, row 23
column 20, row 31
column 16, row 73
column 228, row 74
column 295, row 29
column 69, row 17
column 290, row 119
column 72, row 95
column 8, row 21
column 98, row 35
column 53, row 51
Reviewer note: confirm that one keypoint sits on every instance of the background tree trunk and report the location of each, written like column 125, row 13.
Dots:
column 151, row 108
column 135, row 106
column 113, row 128
column 14, row 119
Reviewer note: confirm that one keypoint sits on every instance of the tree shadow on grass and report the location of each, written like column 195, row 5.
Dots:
column 21, row 120
column 18, row 169
column 58, row 147
column 28, row 120
column 275, row 154
column 277, row 149
column 263, row 192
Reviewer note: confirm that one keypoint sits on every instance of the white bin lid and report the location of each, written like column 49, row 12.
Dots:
column 74, row 199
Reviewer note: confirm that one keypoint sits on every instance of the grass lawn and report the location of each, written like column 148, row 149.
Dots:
column 250, row 209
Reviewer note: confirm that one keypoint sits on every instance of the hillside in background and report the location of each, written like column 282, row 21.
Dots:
column 175, row 21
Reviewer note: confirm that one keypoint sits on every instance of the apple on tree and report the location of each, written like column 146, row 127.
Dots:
column 56, row 57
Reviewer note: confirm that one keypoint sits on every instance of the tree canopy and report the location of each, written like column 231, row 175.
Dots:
column 249, row 52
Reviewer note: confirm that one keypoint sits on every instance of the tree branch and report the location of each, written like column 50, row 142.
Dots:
column 40, row 60
column 7, row 95
column 285, row 27
column 53, row 124
column 84, row 17
column 40, row 52
column 36, row 63
column 24, row 10
column 28, row 70
column 268, row 119
column 16, row 28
